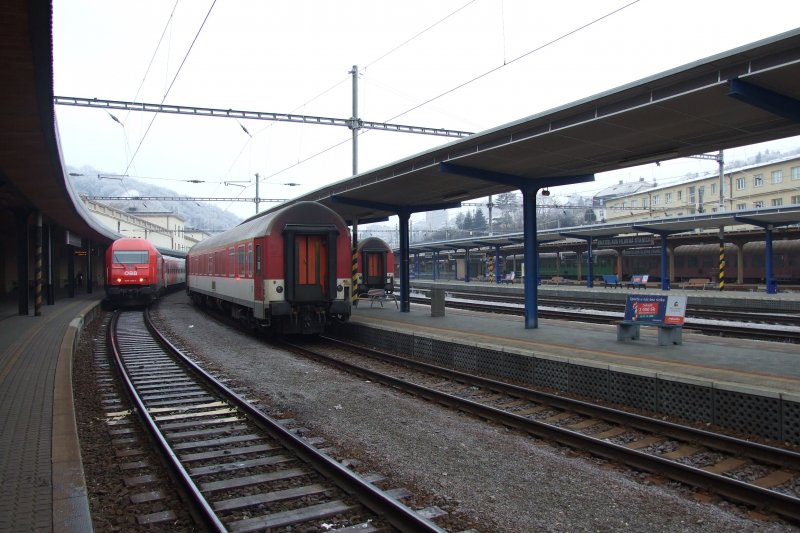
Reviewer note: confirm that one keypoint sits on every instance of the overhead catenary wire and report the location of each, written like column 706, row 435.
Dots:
column 177, row 73
column 526, row 54
column 464, row 84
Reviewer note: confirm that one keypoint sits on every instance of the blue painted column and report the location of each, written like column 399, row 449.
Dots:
column 405, row 279
column 769, row 274
column 531, row 253
column 466, row 265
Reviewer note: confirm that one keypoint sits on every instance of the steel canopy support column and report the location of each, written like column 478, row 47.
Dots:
column 405, row 278
column 528, row 187
column 51, row 297
column 665, row 282
column 665, row 285
column 404, row 214
column 37, row 301
column 589, row 257
column 769, row 277
column 89, row 266
column 22, row 261
column 435, row 268
column 497, row 264
column 466, row 265
column 769, row 273
column 589, row 265
column 531, row 254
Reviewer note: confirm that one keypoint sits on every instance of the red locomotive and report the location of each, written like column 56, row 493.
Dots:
column 137, row 273
column 375, row 265
column 288, row 269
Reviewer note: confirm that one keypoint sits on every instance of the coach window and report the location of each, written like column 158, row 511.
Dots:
column 258, row 259
column 249, row 260
column 231, row 261
column 242, row 266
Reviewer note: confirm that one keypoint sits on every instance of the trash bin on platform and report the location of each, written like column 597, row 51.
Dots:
column 437, row 302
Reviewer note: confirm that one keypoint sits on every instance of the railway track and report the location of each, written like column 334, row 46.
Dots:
column 710, row 321
column 240, row 469
column 740, row 471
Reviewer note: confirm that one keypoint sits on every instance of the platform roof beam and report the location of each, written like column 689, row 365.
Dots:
column 766, row 99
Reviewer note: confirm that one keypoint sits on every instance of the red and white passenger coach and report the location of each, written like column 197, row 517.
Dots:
column 288, row 269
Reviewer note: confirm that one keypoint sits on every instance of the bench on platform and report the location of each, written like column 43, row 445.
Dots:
column 653, row 311
column 698, row 283
column 555, row 280
column 667, row 333
column 611, row 280
column 638, row 281
column 380, row 296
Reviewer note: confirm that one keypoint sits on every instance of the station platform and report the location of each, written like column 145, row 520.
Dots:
column 42, row 487
column 759, row 364
column 785, row 300
column 747, row 385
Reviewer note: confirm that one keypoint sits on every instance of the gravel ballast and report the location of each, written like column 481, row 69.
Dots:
column 494, row 478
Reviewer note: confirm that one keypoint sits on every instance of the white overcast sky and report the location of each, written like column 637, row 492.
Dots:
column 414, row 57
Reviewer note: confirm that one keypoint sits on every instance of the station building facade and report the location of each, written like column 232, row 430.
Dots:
column 164, row 229
column 767, row 185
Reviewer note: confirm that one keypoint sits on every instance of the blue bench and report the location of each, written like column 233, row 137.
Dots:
column 611, row 280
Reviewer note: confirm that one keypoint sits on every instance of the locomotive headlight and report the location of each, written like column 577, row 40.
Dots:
column 339, row 288
column 279, row 289
column 119, row 280
column 141, row 280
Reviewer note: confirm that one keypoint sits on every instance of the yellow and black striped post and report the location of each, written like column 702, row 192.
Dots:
column 37, row 302
column 721, row 264
column 490, row 266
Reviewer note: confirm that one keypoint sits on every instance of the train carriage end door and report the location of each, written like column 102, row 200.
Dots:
column 310, row 255
column 375, row 268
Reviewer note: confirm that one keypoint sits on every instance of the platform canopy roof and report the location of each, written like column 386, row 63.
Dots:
column 775, row 216
column 32, row 173
column 746, row 95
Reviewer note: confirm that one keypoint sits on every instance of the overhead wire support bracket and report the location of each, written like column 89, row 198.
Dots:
column 253, row 115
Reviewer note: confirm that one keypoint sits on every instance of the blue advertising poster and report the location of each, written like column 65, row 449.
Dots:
column 655, row 308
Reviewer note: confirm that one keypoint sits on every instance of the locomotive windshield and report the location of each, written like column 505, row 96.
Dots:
column 130, row 257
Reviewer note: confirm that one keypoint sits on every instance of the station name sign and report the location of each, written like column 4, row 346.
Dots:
column 634, row 240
